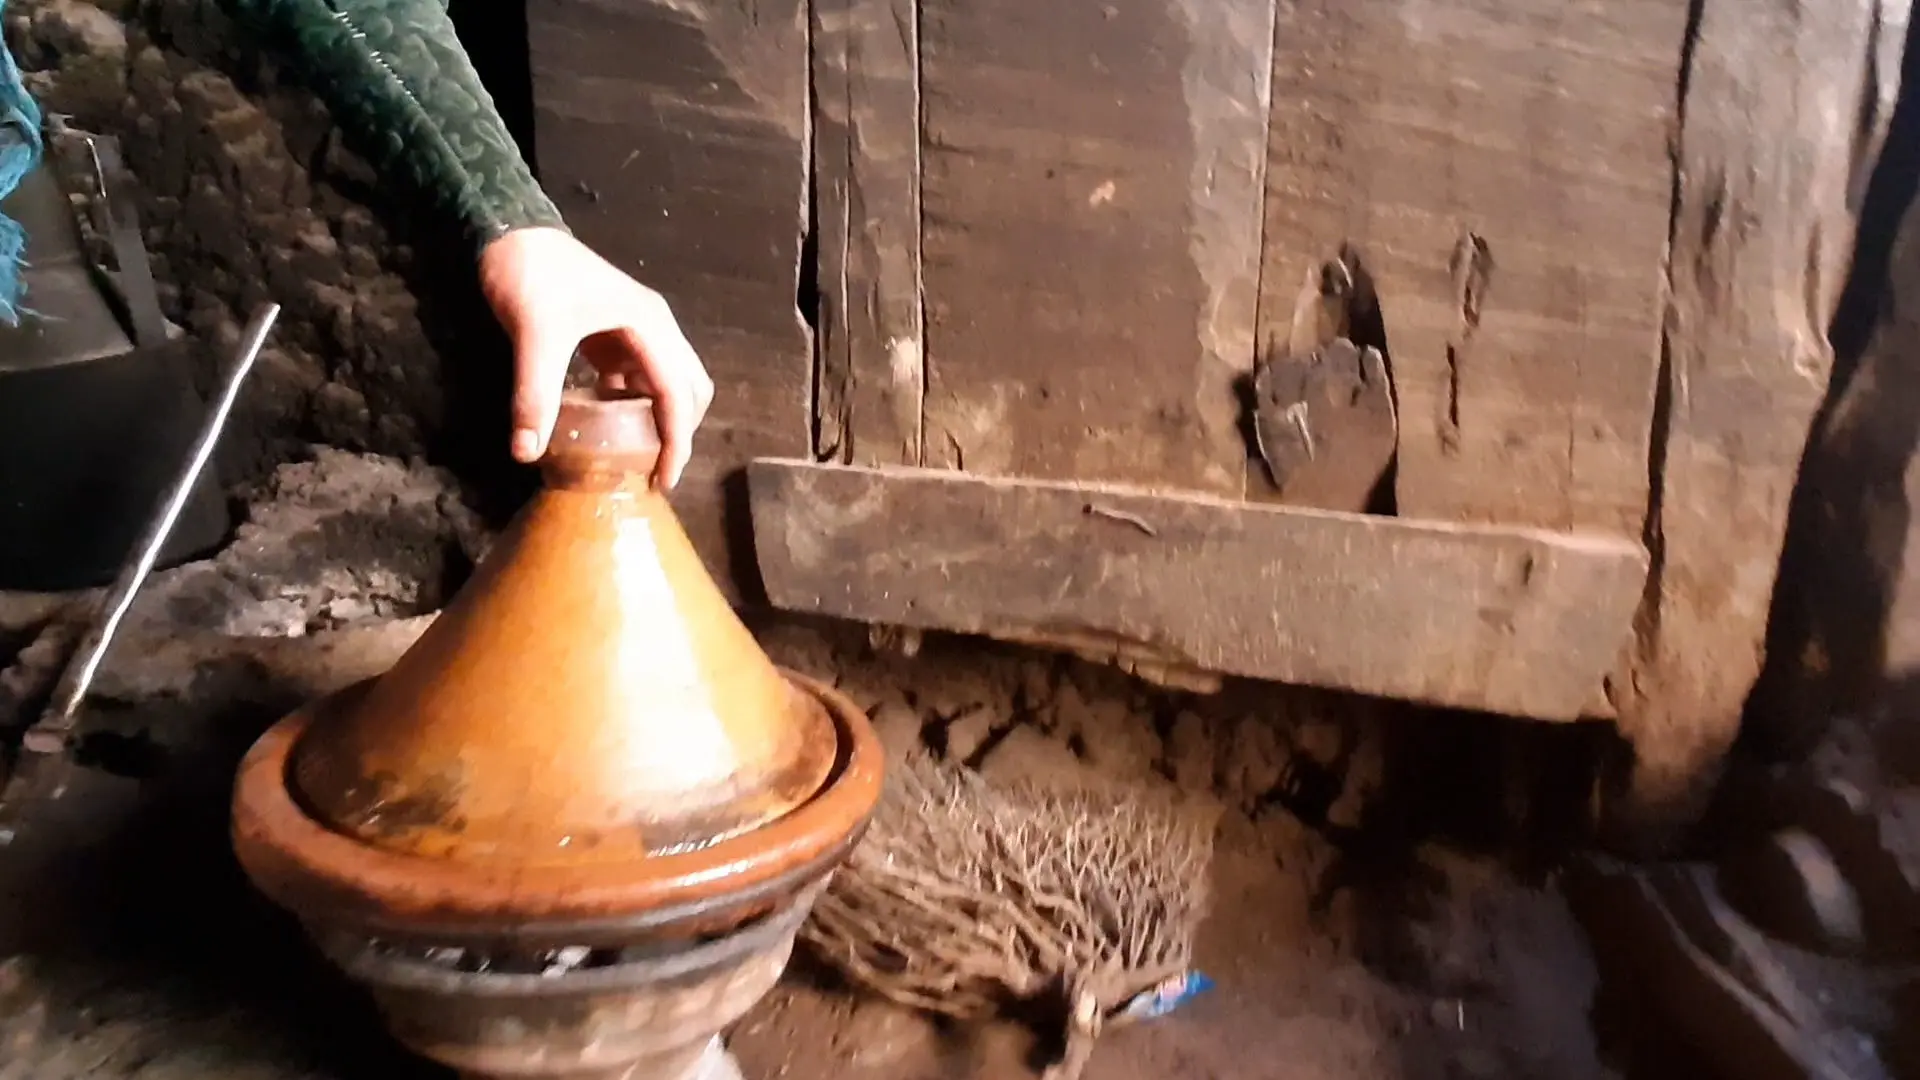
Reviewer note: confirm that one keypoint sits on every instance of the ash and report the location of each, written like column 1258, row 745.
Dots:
column 337, row 540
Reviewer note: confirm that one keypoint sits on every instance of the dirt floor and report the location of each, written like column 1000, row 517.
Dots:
column 1492, row 981
column 1432, row 964
column 1293, row 1001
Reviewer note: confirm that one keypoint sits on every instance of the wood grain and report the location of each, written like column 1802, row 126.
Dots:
column 1784, row 114
column 673, row 134
column 1092, row 189
column 1503, row 167
column 1517, row 621
column 866, row 153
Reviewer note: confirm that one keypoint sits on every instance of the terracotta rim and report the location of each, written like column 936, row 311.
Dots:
column 328, row 877
column 600, row 437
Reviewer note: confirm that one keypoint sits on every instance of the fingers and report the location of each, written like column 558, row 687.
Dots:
column 635, row 344
column 540, row 368
column 682, row 389
column 679, row 404
column 676, row 438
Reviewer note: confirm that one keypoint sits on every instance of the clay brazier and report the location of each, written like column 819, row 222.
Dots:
column 573, row 830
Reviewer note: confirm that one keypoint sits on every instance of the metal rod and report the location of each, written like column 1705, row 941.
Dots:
column 78, row 677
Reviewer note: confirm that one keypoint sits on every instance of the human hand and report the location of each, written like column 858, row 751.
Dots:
column 555, row 296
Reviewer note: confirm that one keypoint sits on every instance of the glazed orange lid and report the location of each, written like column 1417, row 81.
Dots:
column 588, row 698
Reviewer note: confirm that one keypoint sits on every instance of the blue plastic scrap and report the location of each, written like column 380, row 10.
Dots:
column 1163, row 997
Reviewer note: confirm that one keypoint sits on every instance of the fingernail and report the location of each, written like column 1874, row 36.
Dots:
column 525, row 444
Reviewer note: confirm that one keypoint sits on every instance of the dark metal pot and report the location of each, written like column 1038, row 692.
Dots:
column 97, row 404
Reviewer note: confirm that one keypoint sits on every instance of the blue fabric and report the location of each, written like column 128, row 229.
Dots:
column 19, row 154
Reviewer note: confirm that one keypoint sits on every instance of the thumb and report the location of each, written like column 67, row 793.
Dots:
column 540, row 367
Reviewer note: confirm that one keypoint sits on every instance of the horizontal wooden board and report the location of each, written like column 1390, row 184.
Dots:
column 1508, row 620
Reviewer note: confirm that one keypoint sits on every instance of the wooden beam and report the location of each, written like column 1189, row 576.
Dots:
column 1787, row 102
column 866, row 154
column 673, row 134
column 1503, row 169
column 1510, row 620
column 1092, row 187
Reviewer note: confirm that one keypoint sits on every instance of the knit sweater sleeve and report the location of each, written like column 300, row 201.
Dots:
column 399, row 82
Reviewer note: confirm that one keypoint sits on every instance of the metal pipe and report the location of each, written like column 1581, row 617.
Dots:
column 49, row 735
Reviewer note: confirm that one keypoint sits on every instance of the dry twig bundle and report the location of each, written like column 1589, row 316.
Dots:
column 966, row 896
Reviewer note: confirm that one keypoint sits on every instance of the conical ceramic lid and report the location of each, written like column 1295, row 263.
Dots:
column 588, row 697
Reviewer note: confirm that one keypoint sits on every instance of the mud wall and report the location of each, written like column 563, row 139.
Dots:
column 248, row 195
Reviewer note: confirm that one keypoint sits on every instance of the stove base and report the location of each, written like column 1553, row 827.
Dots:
column 655, row 1018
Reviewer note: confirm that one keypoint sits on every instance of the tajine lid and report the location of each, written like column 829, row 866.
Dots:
column 589, row 697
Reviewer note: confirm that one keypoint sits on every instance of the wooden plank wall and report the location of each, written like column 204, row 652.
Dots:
column 1102, row 230
column 1092, row 186
column 1049, row 240
column 674, row 136
column 866, row 145
column 1502, row 168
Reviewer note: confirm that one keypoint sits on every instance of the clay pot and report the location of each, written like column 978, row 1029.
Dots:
column 588, row 750
column 588, row 699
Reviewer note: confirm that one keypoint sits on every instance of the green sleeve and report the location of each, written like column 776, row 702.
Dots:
column 399, row 82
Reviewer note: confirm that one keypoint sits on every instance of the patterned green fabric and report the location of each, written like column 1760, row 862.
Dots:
column 396, row 78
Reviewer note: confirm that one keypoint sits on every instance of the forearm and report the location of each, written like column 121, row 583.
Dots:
column 398, row 81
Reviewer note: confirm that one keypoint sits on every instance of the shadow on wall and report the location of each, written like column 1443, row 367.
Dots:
column 1846, row 614
column 495, row 35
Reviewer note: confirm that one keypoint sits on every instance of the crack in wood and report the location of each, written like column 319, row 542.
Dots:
column 865, row 70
